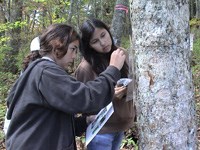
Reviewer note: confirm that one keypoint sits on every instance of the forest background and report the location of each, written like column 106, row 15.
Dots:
column 22, row 20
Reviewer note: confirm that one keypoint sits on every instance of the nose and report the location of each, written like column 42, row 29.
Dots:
column 74, row 55
column 102, row 42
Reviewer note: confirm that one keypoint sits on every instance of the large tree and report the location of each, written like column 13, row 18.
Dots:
column 165, row 96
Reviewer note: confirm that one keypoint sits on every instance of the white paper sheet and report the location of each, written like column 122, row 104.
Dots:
column 98, row 123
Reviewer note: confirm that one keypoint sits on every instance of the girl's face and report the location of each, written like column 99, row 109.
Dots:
column 101, row 40
column 70, row 55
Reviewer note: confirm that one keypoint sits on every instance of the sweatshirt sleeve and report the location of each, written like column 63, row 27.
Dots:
column 62, row 92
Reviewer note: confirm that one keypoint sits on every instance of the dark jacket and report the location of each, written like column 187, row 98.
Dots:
column 124, row 109
column 43, row 101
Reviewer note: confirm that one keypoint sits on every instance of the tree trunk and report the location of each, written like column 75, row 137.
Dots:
column 2, row 13
column 118, row 22
column 198, row 9
column 165, row 96
column 2, row 17
column 70, row 11
column 92, row 4
column 15, row 14
column 78, row 14
column 192, row 8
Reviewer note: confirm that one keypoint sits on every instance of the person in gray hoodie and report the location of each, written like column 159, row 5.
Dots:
column 33, row 55
column 44, row 100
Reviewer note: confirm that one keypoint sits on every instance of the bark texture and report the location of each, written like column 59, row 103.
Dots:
column 165, row 96
column 118, row 22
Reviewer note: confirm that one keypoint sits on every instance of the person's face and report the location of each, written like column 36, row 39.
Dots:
column 101, row 40
column 69, row 57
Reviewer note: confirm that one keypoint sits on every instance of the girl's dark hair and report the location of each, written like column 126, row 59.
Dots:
column 98, row 61
column 29, row 58
column 57, row 37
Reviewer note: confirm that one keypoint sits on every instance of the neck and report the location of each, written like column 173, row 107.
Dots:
column 48, row 58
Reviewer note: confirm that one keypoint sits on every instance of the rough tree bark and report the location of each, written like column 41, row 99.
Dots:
column 165, row 96
column 118, row 21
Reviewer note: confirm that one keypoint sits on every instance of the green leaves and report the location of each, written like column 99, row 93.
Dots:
column 40, row 1
column 8, row 26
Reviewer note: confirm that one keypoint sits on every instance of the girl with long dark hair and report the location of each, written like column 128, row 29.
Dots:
column 97, row 47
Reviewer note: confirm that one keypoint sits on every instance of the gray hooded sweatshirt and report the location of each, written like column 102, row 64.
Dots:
column 43, row 101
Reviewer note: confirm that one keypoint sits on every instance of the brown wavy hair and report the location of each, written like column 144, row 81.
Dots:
column 57, row 37
column 29, row 58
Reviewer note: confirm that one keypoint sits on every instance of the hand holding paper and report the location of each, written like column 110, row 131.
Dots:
column 120, row 91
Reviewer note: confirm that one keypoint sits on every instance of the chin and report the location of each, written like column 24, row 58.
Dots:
column 107, row 51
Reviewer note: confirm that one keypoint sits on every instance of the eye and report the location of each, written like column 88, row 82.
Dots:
column 74, row 49
column 103, row 34
column 93, row 41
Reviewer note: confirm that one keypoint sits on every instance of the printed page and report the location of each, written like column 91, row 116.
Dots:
column 98, row 123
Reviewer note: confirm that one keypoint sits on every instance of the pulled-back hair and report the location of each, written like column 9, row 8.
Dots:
column 30, row 58
column 98, row 61
column 57, row 37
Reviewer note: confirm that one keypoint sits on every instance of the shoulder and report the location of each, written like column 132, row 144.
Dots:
column 49, row 68
column 84, row 71
column 84, row 66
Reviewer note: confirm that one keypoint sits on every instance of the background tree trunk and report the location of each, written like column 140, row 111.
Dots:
column 2, row 13
column 198, row 9
column 70, row 11
column 118, row 21
column 165, row 98
column 2, row 16
column 192, row 8
column 15, row 14
column 78, row 2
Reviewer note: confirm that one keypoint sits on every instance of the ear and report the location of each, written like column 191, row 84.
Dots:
column 56, row 53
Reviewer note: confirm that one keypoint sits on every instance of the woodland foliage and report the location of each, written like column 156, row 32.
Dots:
column 19, row 25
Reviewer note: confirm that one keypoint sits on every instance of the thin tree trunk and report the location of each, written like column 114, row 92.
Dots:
column 2, row 16
column 93, row 7
column 198, row 9
column 33, row 21
column 2, row 13
column 70, row 11
column 102, row 9
column 119, row 19
column 192, row 8
column 77, row 14
column 15, row 14
column 165, row 96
